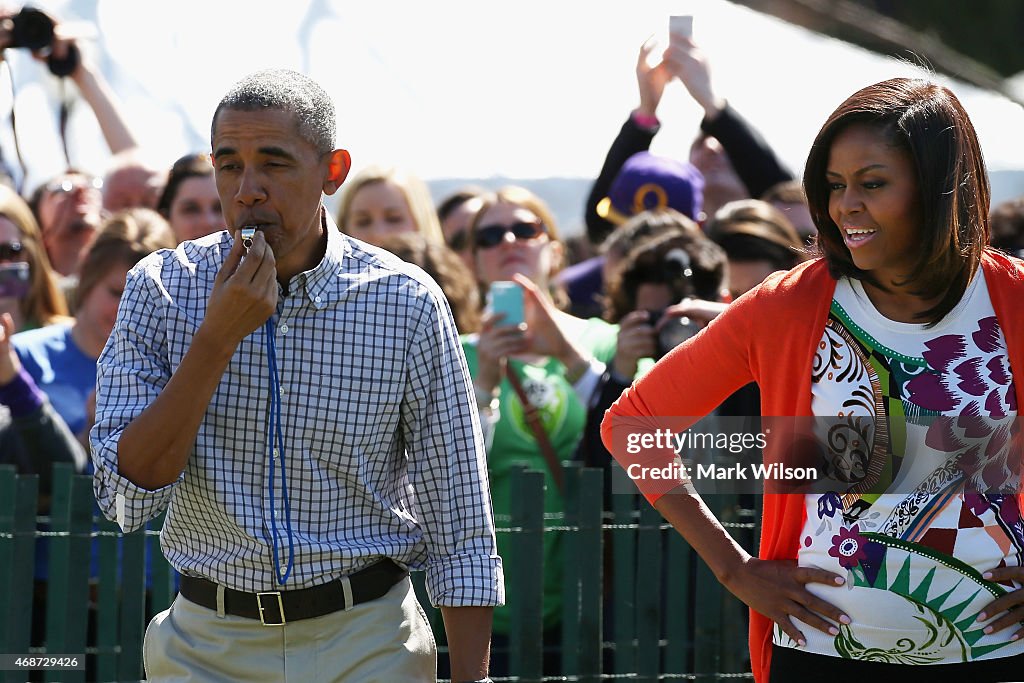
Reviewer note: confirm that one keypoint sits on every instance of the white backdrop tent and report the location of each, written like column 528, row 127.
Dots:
column 460, row 88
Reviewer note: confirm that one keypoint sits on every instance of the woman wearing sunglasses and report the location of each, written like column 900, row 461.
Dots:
column 61, row 358
column 537, row 376
column 28, row 285
column 32, row 435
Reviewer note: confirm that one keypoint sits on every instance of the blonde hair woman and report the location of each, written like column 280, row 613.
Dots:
column 61, row 358
column 381, row 201
column 20, row 242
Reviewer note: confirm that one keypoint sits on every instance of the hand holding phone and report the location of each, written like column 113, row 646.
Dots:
column 507, row 298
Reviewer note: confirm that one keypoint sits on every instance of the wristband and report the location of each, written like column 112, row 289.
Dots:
column 644, row 121
column 575, row 373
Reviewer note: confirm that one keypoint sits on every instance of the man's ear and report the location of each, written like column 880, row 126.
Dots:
column 338, row 166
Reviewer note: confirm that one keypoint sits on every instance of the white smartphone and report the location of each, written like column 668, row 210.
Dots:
column 680, row 25
column 507, row 297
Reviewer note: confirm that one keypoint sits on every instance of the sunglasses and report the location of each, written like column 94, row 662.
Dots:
column 10, row 250
column 71, row 184
column 492, row 235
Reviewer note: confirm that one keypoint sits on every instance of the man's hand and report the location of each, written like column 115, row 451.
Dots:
column 469, row 641
column 244, row 292
column 155, row 446
column 636, row 340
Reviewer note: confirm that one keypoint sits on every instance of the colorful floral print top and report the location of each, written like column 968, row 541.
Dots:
column 914, row 423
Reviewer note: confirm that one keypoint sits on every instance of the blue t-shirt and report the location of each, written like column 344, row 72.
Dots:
column 67, row 376
column 60, row 369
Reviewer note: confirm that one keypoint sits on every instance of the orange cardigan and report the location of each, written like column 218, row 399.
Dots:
column 769, row 336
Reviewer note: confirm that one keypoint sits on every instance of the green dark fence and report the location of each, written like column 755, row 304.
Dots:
column 637, row 603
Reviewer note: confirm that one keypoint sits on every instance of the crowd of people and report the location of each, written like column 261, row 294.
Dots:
column 335, row 400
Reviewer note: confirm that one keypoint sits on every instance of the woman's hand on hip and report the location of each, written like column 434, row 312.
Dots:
column 778, row 590
column 1009, row 608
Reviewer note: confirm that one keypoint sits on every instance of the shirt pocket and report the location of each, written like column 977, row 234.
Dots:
column 355, row 422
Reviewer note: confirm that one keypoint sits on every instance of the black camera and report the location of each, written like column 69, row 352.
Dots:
column 32, row 29
column 674, row 332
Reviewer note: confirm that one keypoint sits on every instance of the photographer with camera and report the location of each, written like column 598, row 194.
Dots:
column 68, row 204
column 666, row 290
column 42, row 35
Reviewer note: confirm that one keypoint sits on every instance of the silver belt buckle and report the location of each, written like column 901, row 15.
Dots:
column 280, row 608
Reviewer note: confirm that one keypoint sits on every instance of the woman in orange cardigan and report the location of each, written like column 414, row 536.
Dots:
column 905, row 562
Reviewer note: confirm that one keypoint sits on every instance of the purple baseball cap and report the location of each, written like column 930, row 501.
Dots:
column 648, row 181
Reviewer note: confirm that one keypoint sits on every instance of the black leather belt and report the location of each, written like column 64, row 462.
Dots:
column 275, row 608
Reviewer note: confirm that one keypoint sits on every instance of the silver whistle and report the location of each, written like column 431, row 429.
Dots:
column 247, row 234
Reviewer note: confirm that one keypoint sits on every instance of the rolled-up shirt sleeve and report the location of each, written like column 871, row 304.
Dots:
column 130, row 373
column 448, row 465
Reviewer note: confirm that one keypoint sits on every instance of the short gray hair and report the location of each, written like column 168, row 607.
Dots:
column 289, row 91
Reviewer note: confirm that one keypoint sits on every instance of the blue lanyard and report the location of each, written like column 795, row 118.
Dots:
column 275, row 437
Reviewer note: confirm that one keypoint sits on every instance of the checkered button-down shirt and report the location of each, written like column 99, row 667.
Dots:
column 383, row 453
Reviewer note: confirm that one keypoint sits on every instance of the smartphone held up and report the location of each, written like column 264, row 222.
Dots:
column 506, row 298
column 680, row 26
column 680, row 30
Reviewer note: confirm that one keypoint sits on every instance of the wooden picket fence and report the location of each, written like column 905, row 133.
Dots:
column 671, row 619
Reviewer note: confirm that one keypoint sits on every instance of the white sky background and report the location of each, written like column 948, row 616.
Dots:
column 460, row 88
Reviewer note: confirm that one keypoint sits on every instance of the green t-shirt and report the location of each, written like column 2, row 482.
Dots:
column 563, row 416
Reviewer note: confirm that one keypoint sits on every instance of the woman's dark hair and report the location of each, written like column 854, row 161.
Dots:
column 928, row 122
column 457, row 199
column 1006, row 226
column 754, row 230
column 188, row 166
column 785, row 192
column 643, row 226
column 449, row 272
column 689, row 264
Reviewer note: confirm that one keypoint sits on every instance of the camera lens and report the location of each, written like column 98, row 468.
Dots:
column 675, row 332
column 32, row 29
column 66, row 65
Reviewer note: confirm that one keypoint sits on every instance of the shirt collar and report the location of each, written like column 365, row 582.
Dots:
column 319, row 283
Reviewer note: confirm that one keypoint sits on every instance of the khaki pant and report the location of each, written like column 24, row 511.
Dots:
column 381, row 641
